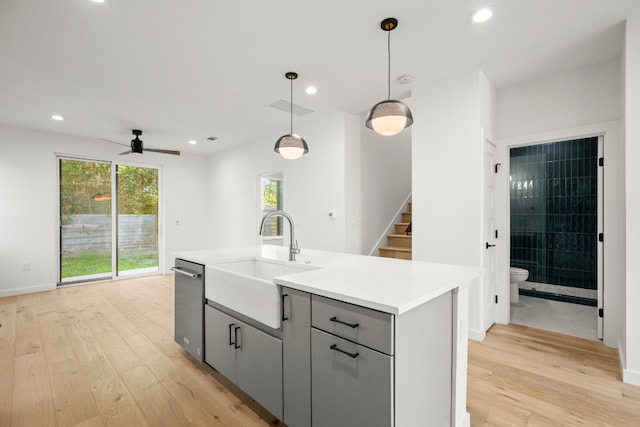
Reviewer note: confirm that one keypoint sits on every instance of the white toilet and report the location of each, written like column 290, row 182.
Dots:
column 516, row 276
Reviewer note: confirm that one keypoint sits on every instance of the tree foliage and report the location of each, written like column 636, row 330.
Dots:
column 85, row 188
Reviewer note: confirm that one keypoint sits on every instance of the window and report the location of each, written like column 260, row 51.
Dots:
column 271, row 200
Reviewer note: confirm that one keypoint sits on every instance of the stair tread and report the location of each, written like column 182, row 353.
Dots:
column 404, row 236
column 395, row 248
column 401, row 223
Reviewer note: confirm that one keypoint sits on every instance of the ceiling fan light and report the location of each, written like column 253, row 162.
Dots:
column 389, row 117
column 291, row 146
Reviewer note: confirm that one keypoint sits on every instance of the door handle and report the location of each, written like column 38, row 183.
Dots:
column 230, row 327
column 487, row 245
column 283, row 316
column 235, row 333
column 186, row 273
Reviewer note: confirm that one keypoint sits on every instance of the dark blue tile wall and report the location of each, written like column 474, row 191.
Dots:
column 554, row 219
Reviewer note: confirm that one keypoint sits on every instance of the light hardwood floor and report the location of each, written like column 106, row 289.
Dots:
column 103, row 355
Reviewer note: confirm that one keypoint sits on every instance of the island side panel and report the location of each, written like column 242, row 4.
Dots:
column 460, row 355
column 296, row 357
column 423, row 364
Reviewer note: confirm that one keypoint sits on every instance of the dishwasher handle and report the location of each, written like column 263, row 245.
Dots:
column 186, row 273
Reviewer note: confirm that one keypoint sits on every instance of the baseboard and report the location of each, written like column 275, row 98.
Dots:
column 628, row 376
column 631, row 377
column 29, row 290
column 465, row 421
column 477, row 335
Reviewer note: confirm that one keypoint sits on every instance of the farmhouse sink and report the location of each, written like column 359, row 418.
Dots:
column 246, row 286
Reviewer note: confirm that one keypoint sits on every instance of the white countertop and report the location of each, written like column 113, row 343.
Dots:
column 389, row 285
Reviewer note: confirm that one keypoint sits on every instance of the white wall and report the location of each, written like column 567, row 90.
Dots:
column 631, row 337
column 28, row 191
column 579, row 97
column 580, row 103
column 313, row 185
column 446, row 173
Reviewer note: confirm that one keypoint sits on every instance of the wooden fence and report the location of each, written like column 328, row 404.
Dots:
column 92, row 234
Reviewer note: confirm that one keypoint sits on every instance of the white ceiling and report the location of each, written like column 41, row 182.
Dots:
column 183, row 70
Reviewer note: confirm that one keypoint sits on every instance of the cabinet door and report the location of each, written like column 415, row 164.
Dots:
column 296, row 328
column 351, row 384
column 219, row 338
column 259, row 358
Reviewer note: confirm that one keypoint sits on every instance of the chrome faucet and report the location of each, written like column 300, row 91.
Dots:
column 293, row 247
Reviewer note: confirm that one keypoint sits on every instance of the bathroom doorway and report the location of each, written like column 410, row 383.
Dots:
column 555, row 197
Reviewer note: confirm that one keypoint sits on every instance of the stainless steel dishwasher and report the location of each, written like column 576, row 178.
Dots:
column 189, row 306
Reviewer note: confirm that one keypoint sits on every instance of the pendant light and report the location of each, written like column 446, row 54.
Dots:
column 291, row 146
column 389, row 117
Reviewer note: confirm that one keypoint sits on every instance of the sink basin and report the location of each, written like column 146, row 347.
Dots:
column 247, row 287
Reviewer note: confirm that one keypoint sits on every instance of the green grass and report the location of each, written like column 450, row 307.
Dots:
column 89, row 263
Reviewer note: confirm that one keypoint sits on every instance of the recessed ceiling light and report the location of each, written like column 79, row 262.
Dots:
column 193, row 142
column 481, row 15
column 98, row 1
column 311, row 90
column 57, row 117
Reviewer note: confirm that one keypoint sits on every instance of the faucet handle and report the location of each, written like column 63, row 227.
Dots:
column 294, row 248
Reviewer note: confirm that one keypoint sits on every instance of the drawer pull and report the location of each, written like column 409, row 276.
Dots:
column 335, row 347
column 351, row 325
column 230, row 340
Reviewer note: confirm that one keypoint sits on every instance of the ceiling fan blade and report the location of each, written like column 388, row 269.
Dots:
column 156, row 150
column 116, row 142
column 125, row 152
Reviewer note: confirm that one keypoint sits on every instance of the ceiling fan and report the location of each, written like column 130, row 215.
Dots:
column 137, row 146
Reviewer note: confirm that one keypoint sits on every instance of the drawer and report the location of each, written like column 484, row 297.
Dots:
column 361, row 325
column 351, row 385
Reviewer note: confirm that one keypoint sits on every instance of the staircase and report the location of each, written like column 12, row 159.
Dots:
column 399, row 243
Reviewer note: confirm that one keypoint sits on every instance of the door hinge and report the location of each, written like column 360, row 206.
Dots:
column 600, row 237
column 495, row 297
column 601, row 312
column 496, row 167
column 601, row 161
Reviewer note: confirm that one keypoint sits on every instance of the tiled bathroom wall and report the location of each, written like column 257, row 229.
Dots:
column 553, row 193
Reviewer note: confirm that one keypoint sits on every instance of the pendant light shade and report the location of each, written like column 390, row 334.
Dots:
column 291, row 146
column 389, row 117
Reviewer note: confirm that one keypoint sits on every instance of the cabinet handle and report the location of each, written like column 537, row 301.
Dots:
column 235, row 333
column 230, row 326
column 283, row 317
column 335, row 347
column 351, row 325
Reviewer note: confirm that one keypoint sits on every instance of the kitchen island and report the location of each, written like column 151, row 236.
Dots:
column 358, row 341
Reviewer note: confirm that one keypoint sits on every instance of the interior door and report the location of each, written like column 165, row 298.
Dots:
column 600, row 244
column 85, row 220
column 490, row 234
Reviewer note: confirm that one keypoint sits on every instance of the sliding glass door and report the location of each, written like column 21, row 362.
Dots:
column 95, row 244
column 137, row 220
column 85, row 221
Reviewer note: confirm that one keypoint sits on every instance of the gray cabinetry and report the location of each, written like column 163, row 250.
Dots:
column 250, row 358
column 365, row 326
column 296, row 324
column 352, row 384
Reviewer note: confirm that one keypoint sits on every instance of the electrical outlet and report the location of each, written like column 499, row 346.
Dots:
column 26, row 266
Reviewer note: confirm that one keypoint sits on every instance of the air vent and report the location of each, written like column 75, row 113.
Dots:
column 285, row 106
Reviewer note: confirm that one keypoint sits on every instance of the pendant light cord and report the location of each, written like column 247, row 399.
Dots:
column 389, row 65
column 291, row 106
